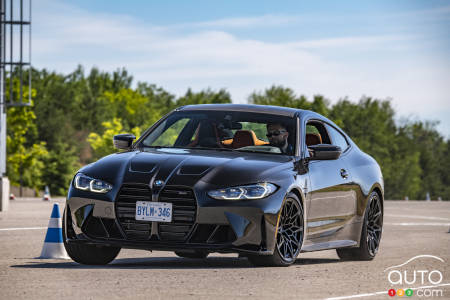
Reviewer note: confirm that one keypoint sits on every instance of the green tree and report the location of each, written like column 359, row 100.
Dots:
column 61, row 164
column 159, row 99
column 445, row 174
column 320, row 105
column 204, row 97
column 133, row 108
column 24, row 157
column 279, row 96
column 103, row 144
column 431, row 149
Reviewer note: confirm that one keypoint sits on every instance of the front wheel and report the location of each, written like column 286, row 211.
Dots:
column 370, row 233
column 89, row 254
column 289, row 236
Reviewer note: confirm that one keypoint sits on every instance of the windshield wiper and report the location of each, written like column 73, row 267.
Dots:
column 190, row 148
column 140, row 147
column 251, row 150
column 207, row 148
column 259, row 151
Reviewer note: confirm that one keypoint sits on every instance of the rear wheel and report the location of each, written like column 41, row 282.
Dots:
column 289, row 236
column 89, row 254
column 197, row 254
column 370, row 234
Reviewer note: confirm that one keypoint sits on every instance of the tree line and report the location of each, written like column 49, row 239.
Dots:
column 73, row 117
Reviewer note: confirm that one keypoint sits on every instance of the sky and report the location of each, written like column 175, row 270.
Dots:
column 397, row 50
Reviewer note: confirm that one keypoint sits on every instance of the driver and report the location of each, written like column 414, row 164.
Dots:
column 278, row 137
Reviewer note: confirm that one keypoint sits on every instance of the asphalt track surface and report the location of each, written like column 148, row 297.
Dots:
column 410, row 229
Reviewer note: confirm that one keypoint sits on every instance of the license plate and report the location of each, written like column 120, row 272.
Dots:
column 153, row 211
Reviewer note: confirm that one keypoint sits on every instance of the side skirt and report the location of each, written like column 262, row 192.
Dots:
column 329, row 245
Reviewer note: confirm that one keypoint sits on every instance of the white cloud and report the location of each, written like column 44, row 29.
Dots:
column 354, row 41
column 64, row 36
column 260, row 21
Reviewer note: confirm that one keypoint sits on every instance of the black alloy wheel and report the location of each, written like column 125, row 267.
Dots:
column 374, row 225
column 370, row 232
column 290, row 230
column 289, row 236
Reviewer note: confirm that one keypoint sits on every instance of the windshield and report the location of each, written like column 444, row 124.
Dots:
column 233, row 131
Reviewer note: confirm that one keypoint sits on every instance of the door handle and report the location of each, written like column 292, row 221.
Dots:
column 344, row 173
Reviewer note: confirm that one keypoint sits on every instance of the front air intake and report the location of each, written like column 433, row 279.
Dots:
column 184, row 208
column 126, row 210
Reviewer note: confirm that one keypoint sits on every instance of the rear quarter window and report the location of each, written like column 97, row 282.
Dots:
column 337, row 138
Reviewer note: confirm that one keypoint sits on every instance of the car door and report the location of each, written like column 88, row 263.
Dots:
column 331, row 196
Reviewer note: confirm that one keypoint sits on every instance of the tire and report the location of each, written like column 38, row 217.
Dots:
column 196, row 254
column 370, row 233
column 89, row 254
column 289, row 237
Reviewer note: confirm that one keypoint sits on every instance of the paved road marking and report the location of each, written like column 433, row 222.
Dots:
column 384, row 292
column 417, row 217
column 405, row 210
column 22, row 228
column 418, row 224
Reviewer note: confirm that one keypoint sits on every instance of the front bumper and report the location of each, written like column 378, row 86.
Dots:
column 217, row 226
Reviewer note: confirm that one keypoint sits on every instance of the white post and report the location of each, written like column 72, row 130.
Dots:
column 4, row 182
column 4, row 193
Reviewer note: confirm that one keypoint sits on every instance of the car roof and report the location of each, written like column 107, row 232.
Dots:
column 267, row 109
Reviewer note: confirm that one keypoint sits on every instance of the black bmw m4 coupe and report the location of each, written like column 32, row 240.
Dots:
column 266, row 182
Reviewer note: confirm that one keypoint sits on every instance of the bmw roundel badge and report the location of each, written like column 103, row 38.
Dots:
column 158, row 183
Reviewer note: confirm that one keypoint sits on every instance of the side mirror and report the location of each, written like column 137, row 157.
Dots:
column 123, row 141
column 324, row 152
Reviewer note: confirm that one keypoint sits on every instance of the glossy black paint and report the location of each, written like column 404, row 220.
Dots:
column 325, row 152
column 333, row 193
column 123, row 141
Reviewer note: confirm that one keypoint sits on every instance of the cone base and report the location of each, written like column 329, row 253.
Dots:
column 53, row 250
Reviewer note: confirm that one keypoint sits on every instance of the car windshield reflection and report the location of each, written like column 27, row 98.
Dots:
column 224, row 131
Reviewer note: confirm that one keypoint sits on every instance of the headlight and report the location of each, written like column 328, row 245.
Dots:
column 86, row 183
column 254, row 191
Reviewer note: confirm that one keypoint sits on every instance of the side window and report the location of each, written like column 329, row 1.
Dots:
column 170, row 134
column 311, row 129
column 337, row 138
column 316, row 134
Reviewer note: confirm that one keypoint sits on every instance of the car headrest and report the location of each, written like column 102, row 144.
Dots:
column 207, row 129
column 243, row 138
column 313, row 139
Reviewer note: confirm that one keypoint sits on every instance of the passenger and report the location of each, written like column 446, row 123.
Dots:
column 278, row 137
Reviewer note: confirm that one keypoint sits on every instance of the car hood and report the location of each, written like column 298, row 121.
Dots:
column 187, row 167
